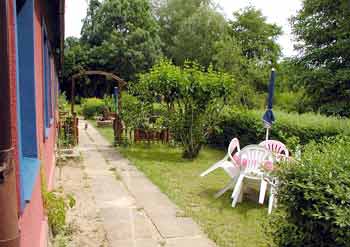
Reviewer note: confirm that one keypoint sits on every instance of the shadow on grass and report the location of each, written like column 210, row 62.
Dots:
column 224, row 202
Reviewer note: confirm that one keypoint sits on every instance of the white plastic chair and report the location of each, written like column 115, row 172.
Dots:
column 230, row 165
column 232, row 148
column 277, row 148
column 253, row 156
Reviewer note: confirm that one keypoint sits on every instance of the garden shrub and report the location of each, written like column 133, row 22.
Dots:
column 56, row 206
column 314, row 197
column 249, row 128
column 192, row 96
column 109, row 102
column 291, row 101
column 63, row 104
column 92, row 107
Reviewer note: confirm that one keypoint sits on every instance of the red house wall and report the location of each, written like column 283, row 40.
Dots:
column 33, row 222
column 46, row 145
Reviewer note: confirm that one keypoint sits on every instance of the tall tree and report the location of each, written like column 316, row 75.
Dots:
column 123, row 36
column 256, row 37
column 322, row 31
column 76, row 58
column 189, row 29
column 197, row 37
column 251, row 50
column 90, row 22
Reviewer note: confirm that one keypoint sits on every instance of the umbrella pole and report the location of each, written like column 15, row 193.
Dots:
column 267, row 133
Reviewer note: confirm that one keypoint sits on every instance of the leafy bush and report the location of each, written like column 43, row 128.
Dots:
column 92, row 106
column 136, row 113
column 249, row 128
column 109, row 102
column 291, row 101
column 192, row 97
column 314, row 197
column 63, row 104
column 65, row 133
column 56, row 206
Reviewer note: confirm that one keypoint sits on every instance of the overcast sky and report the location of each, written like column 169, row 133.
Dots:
column 276, row 11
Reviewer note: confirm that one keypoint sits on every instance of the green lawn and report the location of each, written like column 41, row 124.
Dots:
column 179, row 179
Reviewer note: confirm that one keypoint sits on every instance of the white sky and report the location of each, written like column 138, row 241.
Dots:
column 276, row 11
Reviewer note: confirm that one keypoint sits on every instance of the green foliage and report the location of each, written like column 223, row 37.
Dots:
column 109, row 103
column 196, row 30
column 122, row 36
column 136, row 113
column 321, row 28
column 92, row 107
column 172, row 16
column 197, row 36
column 256, row 37
column 248, row 127
column 255, row 41
column 65, row 134
column 290, row 101
column 56, row 205
column 63, row 104
column 290, row 94
column 192, row 97
column 314, row 198
column 289, row 75
column 75, row 60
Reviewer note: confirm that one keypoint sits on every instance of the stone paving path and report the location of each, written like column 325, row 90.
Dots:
column 133, row 211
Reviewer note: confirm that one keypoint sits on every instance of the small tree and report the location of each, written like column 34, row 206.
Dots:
column 193, row 99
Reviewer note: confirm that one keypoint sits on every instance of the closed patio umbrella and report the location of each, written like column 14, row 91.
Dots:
column 268, row 117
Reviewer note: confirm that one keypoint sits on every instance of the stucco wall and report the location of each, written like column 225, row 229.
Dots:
column 46, row 145
column 33, row 222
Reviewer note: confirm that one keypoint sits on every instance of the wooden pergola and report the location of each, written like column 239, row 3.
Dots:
column 120, row 84
column 117, row 125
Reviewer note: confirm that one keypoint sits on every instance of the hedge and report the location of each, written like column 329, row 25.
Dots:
column 314, row 197
column 92, row 107
column 288, row 128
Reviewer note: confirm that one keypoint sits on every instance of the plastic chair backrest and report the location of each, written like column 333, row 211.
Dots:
column 253, row 157
column 233, row 148
column 275, row 147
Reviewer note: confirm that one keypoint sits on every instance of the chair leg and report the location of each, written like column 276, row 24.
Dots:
column 212, row 168
column 271, row 200
column 262, row 193
column 230, row 185
column 237, row 190
column 240, row 197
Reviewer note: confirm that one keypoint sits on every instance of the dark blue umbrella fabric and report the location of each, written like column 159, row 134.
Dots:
column 268, row 117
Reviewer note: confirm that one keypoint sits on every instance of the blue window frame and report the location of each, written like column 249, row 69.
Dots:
column 26, row 101
column 47, row 81
column 46, row 66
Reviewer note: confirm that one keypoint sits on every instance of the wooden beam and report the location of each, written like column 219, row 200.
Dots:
column 121, row 82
